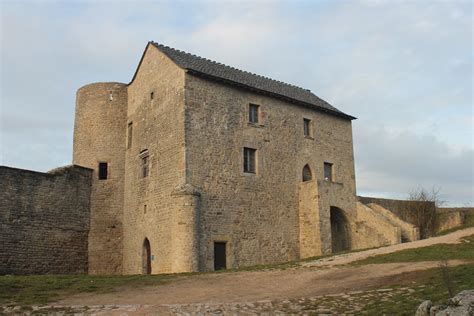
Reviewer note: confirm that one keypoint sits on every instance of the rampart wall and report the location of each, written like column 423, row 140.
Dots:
column 44, row 220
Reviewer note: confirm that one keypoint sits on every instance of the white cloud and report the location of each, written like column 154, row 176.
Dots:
column 404, row 68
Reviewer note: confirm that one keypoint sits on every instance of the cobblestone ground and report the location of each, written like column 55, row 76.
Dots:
column 340, row 304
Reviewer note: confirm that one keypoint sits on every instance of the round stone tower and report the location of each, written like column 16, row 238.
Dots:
column 99, row 144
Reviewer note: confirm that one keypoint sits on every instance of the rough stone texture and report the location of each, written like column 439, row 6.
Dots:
column 44, row 220
column 460, row 305
column 193, row 130
column 310, row 230
column 99, row 136
column 409, row 231
column 406, row 211
column 424, row 309
column 372, row 229
column 450, row 217
column 258, row 214
column 158, row 126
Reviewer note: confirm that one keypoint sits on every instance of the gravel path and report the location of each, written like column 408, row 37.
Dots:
column 452, row 238
column 296, row 290
column 319, row 277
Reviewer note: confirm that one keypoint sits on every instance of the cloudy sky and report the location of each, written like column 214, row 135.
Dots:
column 404, row 68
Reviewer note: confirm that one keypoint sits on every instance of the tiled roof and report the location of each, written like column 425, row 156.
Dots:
column 214, row 70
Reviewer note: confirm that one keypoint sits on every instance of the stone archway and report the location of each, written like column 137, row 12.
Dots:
column 340, row 230
column 146, row 257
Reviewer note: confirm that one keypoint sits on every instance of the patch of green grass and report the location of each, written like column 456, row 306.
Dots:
column 42, row 289
column 463, row 250
column 427, row 285
column 400, row 298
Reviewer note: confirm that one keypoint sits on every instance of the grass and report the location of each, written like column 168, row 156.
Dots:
column 463, row 251
column 399, row 297
column 427, row 285
column 43, row 289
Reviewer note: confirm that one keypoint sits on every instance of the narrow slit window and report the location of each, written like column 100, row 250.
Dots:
column 129, row 135
column 328, row 176
column 103, row 170
column 152, row 95
column 307, row 127
column 145, row 164
column 307, row 175
column 253, row 113
column 249, row 160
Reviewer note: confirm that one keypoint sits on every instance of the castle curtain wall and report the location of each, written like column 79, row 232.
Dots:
column 44, row 220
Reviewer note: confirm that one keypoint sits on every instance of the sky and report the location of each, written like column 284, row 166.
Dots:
column 403, row 68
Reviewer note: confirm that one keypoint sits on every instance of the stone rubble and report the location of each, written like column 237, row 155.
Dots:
column 350, row 303
column 460, row 305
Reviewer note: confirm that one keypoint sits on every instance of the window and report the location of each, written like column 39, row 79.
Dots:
column 103, row 171
column 249, row 160
column 152, row 95
column 145, row 163
column 307, row 127
column 307, row 175
column 328, row 171
column 253, row 113
column 129, row 135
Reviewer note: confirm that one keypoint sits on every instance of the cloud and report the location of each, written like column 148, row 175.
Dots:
column 403, row 68
column 402, row 161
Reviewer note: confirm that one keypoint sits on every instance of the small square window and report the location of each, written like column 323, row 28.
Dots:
column 250, row 160
column 253, row 113
column 103, row 169
column 328, row 176
column 307, row 127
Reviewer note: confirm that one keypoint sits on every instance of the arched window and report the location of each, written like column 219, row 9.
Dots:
column 146, row 257
column 307, row 175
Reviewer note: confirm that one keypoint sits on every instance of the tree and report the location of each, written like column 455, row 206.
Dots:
column 423, row 208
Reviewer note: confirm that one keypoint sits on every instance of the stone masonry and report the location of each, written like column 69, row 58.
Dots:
column 193, row 166
column 44, row 220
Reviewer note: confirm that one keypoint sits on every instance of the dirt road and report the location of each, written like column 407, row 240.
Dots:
column 306, row 281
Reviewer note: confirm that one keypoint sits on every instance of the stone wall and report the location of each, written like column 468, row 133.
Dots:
column 419, row 213
column 309, row 222
column 150, row 210
column 257, row 215
column 44, row 220
column 100, row 136
column 451, row 217
column 372, row 229
column 409, row 231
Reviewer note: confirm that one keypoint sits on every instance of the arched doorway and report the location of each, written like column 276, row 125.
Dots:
column 146, row 257
column 340, row 234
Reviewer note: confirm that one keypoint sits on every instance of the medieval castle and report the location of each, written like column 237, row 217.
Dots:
column 193, row 166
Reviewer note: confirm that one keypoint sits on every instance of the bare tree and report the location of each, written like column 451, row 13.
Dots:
column 447, row 279
column 424, row 195
column 423, row 210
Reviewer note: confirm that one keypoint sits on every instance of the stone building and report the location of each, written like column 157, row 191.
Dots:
column 195, row 166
